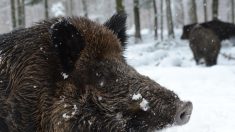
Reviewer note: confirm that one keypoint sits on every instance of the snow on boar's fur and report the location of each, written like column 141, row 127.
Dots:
column 69, row 74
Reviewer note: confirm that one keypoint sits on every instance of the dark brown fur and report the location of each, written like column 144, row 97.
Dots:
column 224, row 30
column 96, row 96
column 204, row 44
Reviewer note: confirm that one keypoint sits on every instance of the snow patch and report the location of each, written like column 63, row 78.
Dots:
column 75, row 109
column 100, row 98
column 68, row 116
column 64, row 75
column 58, row 9
column 136, row 96
column 144, row 105
column 101, row 83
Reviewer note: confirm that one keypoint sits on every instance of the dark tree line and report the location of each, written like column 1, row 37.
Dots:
column 161, row 9
column 18, row 13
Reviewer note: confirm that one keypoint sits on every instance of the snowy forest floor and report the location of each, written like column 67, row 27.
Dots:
column 211, row 89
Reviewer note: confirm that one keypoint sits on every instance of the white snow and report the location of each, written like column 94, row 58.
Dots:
column 64, row 75
column 136, row 96
column 100, row 98
column 75, row 109
column 70, row 115
column 101, row 83
column 58, row 9
column 66, row 116
column 144, row 104
column 211, row 89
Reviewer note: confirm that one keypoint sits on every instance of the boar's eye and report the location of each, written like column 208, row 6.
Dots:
column 104, row 78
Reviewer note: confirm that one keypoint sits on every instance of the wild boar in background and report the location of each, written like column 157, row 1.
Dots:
column 205, row 45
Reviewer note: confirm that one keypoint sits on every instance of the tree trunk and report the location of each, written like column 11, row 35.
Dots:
column 68, row 4
column 84, row 7
column 169, row 20
column 120, row 6
column 13, row 14
column 232, row 4
column 161, row 23
column 178, row 16
column 155, row 20
column 215, row 5
column 21, row 13
column 71, row 7
column 193, row 11
column 205, row 9
column 137, row 21
column 46, row 10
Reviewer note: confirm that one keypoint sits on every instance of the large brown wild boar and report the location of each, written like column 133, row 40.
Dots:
column 69, row 75
column 205, row 45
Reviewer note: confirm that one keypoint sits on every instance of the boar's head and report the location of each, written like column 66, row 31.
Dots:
column 105, row 92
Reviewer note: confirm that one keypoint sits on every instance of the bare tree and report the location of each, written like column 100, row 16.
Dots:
column 120, row 6
column 232, row 6
column 205, row 9
column 193, row 11
column 161, row 23
column 155, row 20
column 84, row 7
column 169, row 20
column 137, row 21
column 69, row 7
column 215, row 6
column 46, row 10
column 21, row 13
column 178, row 16
column 13, row 14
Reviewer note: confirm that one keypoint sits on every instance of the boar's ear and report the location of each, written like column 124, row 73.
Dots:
column 68, row 41
column 117, row 23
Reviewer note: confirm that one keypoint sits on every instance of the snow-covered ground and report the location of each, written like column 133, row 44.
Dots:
column 211, row 89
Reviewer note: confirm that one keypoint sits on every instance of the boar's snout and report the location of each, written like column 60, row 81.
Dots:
column 183, row 114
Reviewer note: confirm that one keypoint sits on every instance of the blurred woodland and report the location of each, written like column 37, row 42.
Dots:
column 157, row 15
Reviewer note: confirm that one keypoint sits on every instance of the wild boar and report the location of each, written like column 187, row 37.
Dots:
column 69, row 74
column 205, row 45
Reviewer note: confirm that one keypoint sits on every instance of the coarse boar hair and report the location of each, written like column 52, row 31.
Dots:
column 70, row 75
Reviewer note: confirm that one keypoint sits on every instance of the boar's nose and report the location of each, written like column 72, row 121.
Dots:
column 183, row 113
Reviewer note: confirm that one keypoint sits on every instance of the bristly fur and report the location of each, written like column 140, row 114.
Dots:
column 204, row 44
column 117, row 23
column 69, row 74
